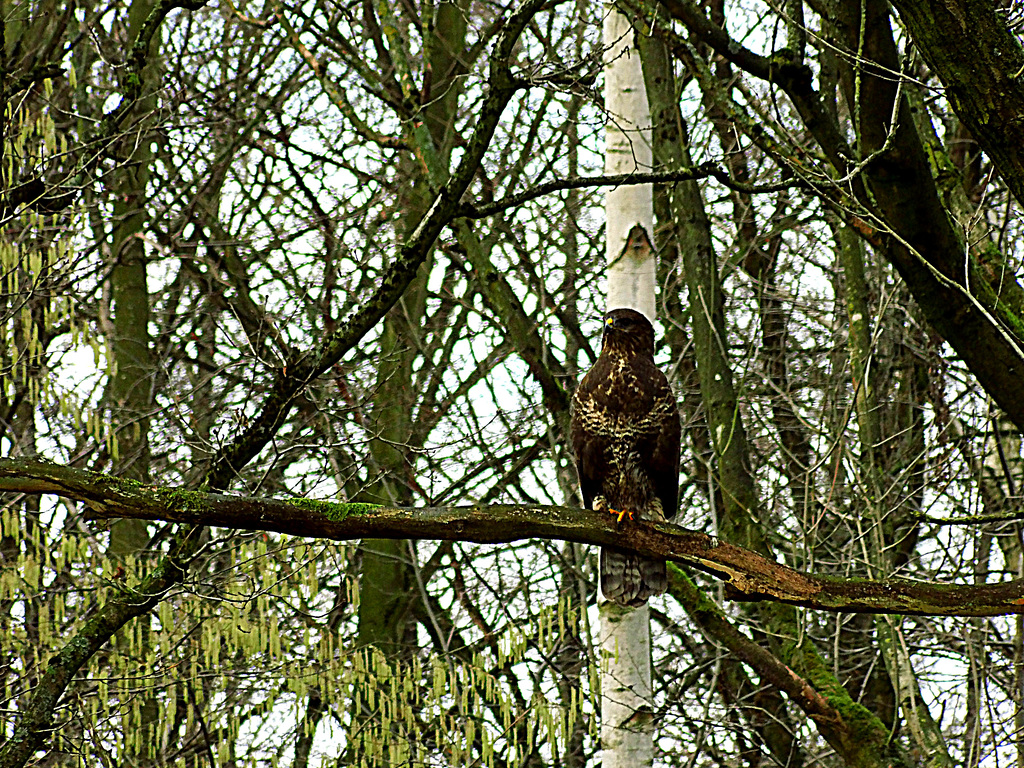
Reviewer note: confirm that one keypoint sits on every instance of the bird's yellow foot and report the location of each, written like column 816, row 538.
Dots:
column 621, row 513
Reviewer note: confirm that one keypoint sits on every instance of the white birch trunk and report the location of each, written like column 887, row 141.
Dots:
column 627, row 722
column 627, row 726
column 631, row 276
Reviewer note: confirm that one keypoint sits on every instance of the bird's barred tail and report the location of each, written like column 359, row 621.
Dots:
column 629, row 579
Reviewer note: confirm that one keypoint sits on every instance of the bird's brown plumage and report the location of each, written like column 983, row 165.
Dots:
column 625, row 436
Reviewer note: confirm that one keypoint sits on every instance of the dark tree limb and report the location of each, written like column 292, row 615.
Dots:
column 748, row 576
column 35, row 194
column 29, row 79
column 981, row 63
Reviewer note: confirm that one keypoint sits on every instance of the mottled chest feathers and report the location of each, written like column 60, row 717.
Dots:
column 625, row 423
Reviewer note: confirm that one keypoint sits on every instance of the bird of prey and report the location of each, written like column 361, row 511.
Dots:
column 625, row 435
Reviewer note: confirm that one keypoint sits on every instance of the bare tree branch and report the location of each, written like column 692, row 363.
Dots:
column 702, row 171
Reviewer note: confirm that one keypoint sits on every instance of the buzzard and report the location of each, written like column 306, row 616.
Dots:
column 625, row 436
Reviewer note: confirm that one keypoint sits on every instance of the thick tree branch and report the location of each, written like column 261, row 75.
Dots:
column 749, row 576
column 831, row 720
column 980, row 62
column 29, row 79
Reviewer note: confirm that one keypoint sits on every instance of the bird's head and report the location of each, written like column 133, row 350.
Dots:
column 626, row 330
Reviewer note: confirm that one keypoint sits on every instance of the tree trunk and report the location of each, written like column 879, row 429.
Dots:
column 129, row 390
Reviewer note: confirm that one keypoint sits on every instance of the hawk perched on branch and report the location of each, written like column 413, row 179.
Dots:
column 625, row 435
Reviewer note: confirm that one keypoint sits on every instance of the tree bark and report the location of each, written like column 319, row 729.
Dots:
column 129, row 391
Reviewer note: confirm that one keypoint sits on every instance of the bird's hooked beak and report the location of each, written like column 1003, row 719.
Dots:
column 610, row 322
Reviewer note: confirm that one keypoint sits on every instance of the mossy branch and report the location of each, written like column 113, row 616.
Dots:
column 748, row 576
